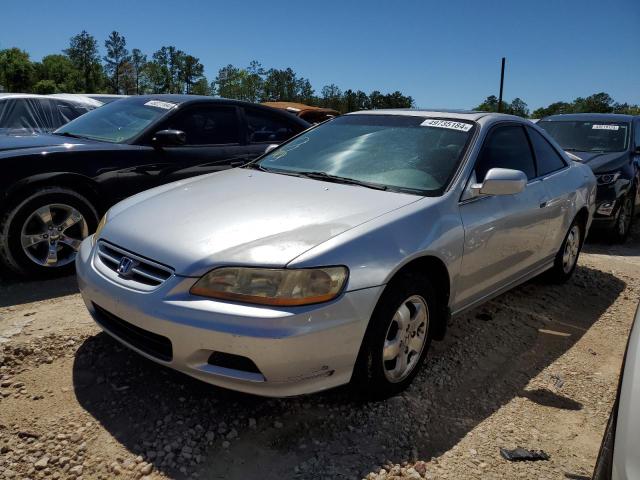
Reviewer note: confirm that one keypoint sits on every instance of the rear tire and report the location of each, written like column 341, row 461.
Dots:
column 567, row 257
column 397, row 338
column 40, row 234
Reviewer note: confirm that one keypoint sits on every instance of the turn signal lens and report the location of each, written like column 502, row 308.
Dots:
column 99, row 228
column 278, row 287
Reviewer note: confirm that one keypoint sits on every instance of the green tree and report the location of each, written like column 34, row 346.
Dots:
column 45, row 87
column 117, row 55
column 83, row 52
column 518, row 107
column 59, row 69
column 138, row 63
column 282, row 85
column 553, row 109
column 332, row 97
column 596, row 103
column 201, row 87
column 191, row 72
column 16, row 70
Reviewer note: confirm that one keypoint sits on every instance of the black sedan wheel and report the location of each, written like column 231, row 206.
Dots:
column 42, row 234
column 624, row 219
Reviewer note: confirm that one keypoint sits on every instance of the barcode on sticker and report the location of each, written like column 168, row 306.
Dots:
column 160, row 104
column 605, row 127
column 450, row 124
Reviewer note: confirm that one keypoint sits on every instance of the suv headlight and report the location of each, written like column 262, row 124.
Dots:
column 99, row 228
column 273, row 286
column 607, row 178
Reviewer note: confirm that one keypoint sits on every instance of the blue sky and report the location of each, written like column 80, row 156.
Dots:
column 443, row 53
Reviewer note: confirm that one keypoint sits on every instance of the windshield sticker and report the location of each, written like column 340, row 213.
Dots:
column 451, row 125
column 605, row 127
column 287, row 148
column 160, row 104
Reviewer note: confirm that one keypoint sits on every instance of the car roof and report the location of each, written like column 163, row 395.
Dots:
column 455, row 114
column 586, row 117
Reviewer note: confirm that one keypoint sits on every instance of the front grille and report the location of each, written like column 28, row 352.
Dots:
column 142, row 271
column 150, row 343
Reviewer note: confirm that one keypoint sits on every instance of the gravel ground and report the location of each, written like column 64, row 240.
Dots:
column 536, row 368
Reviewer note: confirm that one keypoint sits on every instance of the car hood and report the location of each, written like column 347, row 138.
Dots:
column 603, row 162
column 11, row 142
column 241, row 216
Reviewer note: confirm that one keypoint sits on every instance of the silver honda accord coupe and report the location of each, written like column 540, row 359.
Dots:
column 338, row 256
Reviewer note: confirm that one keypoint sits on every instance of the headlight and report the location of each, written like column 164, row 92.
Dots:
column 99, row 228
column 266, row 286
column 607, row 178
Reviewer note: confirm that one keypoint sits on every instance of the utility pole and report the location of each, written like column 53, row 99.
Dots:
column 501, row 85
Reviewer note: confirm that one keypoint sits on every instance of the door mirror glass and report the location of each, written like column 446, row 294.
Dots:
column 168, row 138
column 501, row 181
column 270, row 147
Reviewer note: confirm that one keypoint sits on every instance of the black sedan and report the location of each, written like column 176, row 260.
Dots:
column 610, row 145
column 54, row 188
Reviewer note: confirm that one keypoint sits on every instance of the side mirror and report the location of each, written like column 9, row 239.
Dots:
column 169, row 138
column 271, row 147
column 501, row 181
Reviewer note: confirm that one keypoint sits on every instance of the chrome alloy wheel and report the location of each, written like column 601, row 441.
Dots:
column 52, row 235
column 405, row 339
column 625, row 215
column 571, row 249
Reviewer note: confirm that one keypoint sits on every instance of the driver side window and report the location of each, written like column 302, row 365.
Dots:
column 206, row 125
column 505, row 147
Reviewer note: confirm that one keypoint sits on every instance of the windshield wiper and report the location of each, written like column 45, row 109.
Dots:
column 337, row 179
column 68, row 134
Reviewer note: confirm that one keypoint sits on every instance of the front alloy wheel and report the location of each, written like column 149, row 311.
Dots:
column 52, row 234
column 625, row 216
column 405, row 339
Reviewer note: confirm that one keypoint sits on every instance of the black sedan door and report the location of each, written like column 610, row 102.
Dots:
column 214, row 142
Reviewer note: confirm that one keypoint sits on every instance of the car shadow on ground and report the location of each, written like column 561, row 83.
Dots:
column 599, row 242
column 487, row 358
column 17, row 292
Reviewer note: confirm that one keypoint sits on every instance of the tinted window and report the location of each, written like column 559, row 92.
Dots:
column 208, row 125
column 30, row 114
column 637, row 134
column 595, row 136
column 266, row 127
column 506, row 147
column 117, row 121
column 546, row 156
column 401, row 152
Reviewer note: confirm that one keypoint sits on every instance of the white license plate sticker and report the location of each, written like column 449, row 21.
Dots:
column 160, row 104
column 451, row 125
column 605, row 127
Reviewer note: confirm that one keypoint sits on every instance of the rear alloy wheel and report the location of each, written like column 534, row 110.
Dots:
column 624, row 219
column 567, row 257
column 42, row 234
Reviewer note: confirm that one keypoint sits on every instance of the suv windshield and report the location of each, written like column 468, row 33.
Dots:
column 579, row 136
column 117, row 122
column 395, row 152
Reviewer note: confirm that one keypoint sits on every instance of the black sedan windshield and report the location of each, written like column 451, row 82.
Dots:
column 395, row 152
column 580, row 136
column 118, row 121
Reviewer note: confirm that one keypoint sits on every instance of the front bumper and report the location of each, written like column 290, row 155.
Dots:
column 296, row 350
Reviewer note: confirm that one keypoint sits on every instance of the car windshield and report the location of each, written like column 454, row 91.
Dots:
column 393, row 152
column 593, row 136
column 117, row 122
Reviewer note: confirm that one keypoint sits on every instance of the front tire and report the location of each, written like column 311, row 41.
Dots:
column 40, row 235
column 624, row 219
column 397, row 339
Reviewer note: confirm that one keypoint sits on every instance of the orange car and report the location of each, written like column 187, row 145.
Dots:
column 306, row 112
